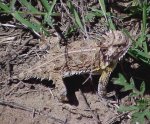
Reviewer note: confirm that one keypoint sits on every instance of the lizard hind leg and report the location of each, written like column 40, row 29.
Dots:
column 60, row 89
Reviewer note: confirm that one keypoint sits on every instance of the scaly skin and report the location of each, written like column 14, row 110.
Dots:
column 96, row 57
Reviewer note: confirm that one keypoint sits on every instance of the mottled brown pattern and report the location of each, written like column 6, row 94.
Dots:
column 86, row 56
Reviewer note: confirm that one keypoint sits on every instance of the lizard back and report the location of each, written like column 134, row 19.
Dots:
column 79, row 57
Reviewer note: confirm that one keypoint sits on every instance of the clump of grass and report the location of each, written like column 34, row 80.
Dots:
column 43, row 16
column 140, row 48
column 14, row 8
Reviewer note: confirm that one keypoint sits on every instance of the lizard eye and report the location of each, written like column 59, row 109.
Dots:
column 103, row 49
column 118, row 45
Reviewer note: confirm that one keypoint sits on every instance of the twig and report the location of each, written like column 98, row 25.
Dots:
column 115, row 119
column 19, row 26
column 13, row 88
column 8, row 25
column 75, row 111
column 51, row 93
column 29, row 109
column 89, row 77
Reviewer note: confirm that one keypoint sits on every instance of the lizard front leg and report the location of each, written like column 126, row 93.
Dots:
column 104, row 78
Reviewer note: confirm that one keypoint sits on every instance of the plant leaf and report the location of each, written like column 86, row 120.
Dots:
column 138, row 117
column 127, row 108
column 142, row 88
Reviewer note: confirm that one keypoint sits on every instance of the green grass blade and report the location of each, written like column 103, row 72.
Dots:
column 45, row 5
column 33, row 26
column 110, row 22
column 106, row 15
column 4, row 7
column 140, row 55
column 78, row 20
column 144, row 25
column 145, row 47
column 12, row 5
column 103, row 8
column 76, row 15
column 52, row 7
column 20, row 18
column 29, row 6
column 144, row 19
column 48, row 17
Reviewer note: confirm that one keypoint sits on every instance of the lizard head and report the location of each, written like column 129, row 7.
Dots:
column 114, row 46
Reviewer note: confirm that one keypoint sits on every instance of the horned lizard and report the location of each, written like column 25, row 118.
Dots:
column 79, row 57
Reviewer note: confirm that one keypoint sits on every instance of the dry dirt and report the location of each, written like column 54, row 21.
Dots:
column 34, row 101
